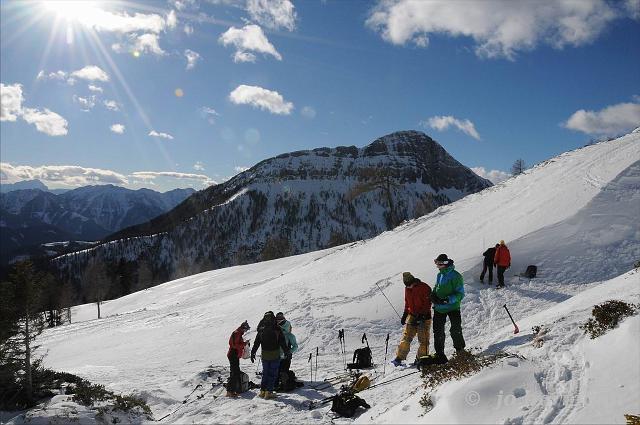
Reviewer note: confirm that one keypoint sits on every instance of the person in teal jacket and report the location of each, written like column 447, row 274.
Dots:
column 446, row 297
column 290, row 341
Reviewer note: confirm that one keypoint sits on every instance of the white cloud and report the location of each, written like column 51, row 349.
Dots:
column 192, row 58
column 441, row 123
column 248, row 39
column 610, row 121
column 498, row 28
column 46, row 121
column 240, row 169
column 172, row 19
column 111, row 105
column 10, row 102
column 261, row 98
column 188, row 29
column 117, row 128
column 102, row 20
column 148, row 43
column 198, row 166
column 58, row 75
column 308, row 112
column 68, row 175
column 91, row 73
column 86, row 103
column 494, row 176
column 11, row 109
column 96, row 89
column 273, row 14
column 154, row 133
column 152, row 175
column 209, row 114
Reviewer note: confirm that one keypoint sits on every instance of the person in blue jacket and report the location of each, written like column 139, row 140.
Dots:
column 446, row 297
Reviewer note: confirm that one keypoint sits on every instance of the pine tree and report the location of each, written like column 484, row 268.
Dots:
column 21, row 321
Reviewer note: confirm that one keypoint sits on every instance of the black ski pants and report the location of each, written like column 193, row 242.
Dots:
column 501, row 270
column 487, row 266
column 234, row 378
column 455, row 330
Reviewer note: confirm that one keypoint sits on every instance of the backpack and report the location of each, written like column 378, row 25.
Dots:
column 288, row 381
column 531, row 272
column 244, row 384
column 346, row 403
column 362, row 359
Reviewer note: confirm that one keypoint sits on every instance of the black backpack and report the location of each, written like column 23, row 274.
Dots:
column 346, row 403
column 244, row 383
column 362, row 359
column 531, row 272
column 287, row 381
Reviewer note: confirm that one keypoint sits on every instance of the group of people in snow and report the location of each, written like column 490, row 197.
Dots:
column 498, row 257
column 278, row 344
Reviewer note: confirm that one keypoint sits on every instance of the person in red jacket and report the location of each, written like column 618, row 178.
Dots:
column 416, row 317
column 502, row 260
column 237, row 345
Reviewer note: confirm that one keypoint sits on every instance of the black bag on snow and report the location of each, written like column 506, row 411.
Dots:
column 345, row 404
column 362, row 359
column 531, row 271
column 243, row 382
column 287, row 381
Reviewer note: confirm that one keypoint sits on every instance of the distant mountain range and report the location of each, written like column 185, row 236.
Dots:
column 30, row 215
column 293, row 203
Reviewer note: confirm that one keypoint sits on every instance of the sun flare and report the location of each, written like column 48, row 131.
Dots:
column 73, row 10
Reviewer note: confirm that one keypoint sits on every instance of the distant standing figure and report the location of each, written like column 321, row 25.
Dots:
column 502, row 261
column 237, row 345
column 416, row 317
column 489, row 254
column 271, row 339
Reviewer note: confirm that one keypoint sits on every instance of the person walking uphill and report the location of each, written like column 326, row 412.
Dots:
column 237, row 345
column 446, row 297
column 488, row 255
column 416, row 317
column 502, row 260
column 271, row 339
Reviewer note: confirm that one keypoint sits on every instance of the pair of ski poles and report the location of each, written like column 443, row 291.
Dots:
column 310, row 361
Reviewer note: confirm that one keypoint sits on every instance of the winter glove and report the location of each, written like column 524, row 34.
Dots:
column 253, row 357
column 437, row 300
column 404, row 318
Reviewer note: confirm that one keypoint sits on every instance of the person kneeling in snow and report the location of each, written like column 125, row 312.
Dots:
column 271, row 339
column 416, row 317
column 446, row 297
column 237, row 345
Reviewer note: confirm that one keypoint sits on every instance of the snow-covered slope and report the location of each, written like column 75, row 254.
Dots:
column 156, row 342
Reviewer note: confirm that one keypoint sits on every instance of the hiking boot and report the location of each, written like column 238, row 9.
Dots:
column 232, row 394
column 498, row 286
column 440, row 359
column 270, row 395
column 262, row 393
column 482, row 281
column 462, row 353
column 396, row 362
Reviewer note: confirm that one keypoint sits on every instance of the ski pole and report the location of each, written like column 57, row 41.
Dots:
column 311, row 367
column 364, row 339
column 516, row 330
column 316, row 363
column 386, row 349
column 394, row 309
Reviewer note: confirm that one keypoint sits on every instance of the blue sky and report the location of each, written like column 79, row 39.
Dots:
column 167, row 94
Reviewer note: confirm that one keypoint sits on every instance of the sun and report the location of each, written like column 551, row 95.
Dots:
column 73, row 10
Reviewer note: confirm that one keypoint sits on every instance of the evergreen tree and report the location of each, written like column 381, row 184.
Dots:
column 21, row 321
